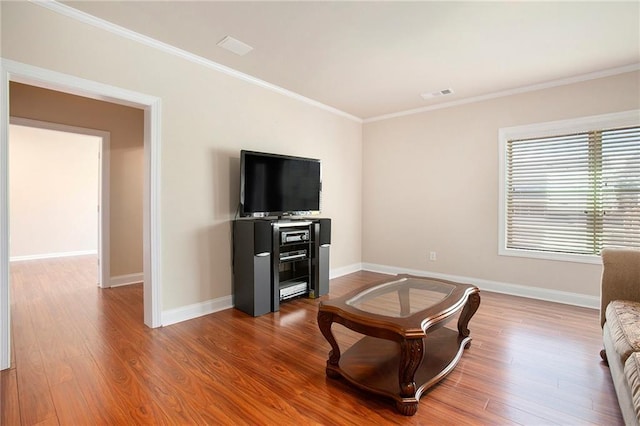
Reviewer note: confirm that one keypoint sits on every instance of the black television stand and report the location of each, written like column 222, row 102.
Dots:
column 276, row 260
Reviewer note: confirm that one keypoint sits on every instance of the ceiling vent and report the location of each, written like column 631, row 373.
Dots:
column 431, row 95
column 235, row 46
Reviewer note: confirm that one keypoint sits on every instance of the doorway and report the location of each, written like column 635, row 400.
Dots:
column 59, row 192
column 27, row 74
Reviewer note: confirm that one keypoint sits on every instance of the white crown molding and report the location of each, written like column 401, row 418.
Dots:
column 86, row 18
column 172, row 50
column 549, row 295
column 510, row 92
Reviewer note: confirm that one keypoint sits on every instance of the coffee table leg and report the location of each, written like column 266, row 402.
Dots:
column 325, row 319
column 411, row 354
column 468, row 311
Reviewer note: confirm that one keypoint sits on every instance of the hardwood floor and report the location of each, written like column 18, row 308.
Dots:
column 81, row 355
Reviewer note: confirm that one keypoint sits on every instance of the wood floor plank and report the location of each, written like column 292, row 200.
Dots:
column 36, row 404
column 9, row 400
column 71, row 407
column 82, row 355
column 97, row 391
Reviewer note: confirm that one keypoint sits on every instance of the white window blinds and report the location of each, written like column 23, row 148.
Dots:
column 573, row 193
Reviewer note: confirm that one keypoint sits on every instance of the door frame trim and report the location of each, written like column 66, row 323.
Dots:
column 104, row 265
column 48, row 79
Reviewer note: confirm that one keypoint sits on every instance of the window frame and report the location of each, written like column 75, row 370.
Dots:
column 548, row 129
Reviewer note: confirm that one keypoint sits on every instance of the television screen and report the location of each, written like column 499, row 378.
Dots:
column 274, row 185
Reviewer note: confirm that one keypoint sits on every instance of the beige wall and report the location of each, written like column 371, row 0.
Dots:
column 53, row 192
column 126, row 128
column 428, row 182
column 431, row 184
column 207, row 118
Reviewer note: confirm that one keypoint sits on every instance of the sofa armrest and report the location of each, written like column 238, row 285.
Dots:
column 620, row 277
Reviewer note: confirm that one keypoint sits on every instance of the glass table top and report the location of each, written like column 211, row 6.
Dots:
column 401, row 298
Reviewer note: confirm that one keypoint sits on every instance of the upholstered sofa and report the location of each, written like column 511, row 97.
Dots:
column 620, row 320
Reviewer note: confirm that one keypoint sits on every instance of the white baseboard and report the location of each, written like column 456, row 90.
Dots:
column 52, row 255
column 349, row 269
column 184, row 313
column 128, row 279
column 550, row 295
column 196, row 310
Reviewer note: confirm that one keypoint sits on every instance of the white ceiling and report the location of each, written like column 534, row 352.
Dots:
column 374, row 58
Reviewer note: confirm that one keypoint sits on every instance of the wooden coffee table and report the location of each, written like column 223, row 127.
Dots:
column 406, row 348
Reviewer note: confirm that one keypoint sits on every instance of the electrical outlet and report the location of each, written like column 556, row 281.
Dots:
column 432, row 256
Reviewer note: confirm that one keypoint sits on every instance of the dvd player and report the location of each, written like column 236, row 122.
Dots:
column 294, row 289
column 292, row 255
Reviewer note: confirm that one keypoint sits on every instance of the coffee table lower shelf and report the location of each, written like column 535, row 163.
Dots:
column 372, row 364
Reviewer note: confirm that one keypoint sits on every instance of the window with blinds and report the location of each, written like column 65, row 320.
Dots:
column 573, row 193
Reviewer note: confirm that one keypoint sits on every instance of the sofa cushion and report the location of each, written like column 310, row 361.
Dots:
column 623, row 317
column 632, row 374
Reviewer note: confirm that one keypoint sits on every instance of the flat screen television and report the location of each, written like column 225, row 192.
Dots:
column 279, row 185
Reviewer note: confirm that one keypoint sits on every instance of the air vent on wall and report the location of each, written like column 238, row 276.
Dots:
column 430, row 95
